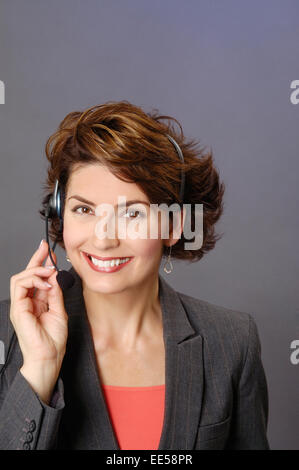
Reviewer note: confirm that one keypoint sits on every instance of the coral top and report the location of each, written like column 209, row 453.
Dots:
column 136, row 414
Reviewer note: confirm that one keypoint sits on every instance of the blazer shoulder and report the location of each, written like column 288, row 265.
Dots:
column 204, row 310
column 224, row 331
column 212, row 320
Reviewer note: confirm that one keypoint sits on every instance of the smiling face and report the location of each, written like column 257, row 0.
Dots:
column 96, row 184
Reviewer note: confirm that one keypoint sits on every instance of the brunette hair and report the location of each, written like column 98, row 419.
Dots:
column 133, row 145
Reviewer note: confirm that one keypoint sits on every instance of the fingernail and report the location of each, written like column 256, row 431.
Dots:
column 50, row 267
column 47, row 284
column 41, row 243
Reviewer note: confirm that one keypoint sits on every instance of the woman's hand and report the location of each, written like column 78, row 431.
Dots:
column 40, row 322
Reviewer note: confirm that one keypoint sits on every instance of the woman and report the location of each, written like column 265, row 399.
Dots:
column 121, row 360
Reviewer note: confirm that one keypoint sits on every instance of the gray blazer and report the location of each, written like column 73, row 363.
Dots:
column 216, row 394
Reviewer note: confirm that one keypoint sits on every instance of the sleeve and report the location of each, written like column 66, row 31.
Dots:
column 250, row 413
column 26, row 423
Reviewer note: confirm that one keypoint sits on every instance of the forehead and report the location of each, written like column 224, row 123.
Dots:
column 96, row 182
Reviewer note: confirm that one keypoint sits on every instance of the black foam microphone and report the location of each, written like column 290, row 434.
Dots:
column 64, row 278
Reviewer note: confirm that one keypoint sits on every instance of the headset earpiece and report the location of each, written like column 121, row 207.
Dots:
column 61, row 203
column 56, row 203
column 55, row 208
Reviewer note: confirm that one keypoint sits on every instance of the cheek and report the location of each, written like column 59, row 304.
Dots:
column 72, row 234
column 150, row 249
column 147, row 249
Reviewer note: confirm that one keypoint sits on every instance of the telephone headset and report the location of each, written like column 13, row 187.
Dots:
column 55, row 208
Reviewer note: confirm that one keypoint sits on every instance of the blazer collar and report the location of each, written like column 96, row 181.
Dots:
column 83, row 392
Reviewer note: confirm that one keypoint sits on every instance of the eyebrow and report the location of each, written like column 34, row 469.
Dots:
column 127, row 203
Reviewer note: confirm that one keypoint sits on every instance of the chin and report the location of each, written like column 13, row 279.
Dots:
column 109, row 288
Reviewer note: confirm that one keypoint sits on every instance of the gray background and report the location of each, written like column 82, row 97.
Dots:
column 223, row 69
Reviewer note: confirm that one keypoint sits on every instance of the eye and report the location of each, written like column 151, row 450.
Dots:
column 134, row 211
column 80, row 207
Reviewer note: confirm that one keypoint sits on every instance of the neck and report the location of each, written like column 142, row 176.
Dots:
column 124, row 319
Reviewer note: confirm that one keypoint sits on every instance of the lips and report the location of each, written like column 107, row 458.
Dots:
column 108, row 269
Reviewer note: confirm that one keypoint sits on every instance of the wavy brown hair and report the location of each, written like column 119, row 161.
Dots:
column 133, row 145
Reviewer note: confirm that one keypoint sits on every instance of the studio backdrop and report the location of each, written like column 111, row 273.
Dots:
column 228, row 71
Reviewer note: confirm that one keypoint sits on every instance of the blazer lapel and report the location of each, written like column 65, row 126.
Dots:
column 86, row 418
column 184, row 373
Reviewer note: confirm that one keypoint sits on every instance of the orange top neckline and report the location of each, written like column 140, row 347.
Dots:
column 136, row 415
column 117, row 387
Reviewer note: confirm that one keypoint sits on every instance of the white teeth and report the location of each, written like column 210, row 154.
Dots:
column 109, row 263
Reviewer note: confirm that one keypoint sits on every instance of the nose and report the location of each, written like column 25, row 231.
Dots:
column 104, row 234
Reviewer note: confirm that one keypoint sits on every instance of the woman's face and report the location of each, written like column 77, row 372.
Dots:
column 98, row 185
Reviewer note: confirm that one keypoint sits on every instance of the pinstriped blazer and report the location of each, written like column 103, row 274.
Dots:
column 216, row 394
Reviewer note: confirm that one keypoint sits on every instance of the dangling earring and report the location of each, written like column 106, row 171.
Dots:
column 68, row 259
column 168, row 262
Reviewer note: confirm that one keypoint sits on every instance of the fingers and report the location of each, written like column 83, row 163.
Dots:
column 42, row 295
column 53, row 295
column 21, row 286
column 40, row 255
column 41, row 271
column 37, row 260
column 28, row 283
